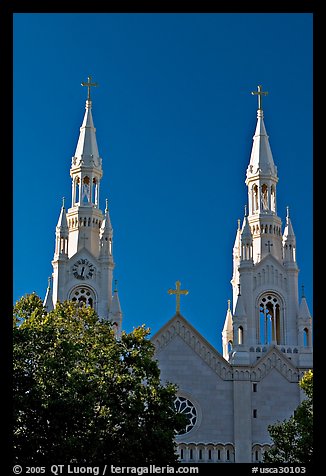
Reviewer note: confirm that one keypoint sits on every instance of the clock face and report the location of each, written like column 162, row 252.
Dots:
column 83, row 269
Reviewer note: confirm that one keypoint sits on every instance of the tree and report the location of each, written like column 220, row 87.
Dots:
column 293, row 438
column 83, row 396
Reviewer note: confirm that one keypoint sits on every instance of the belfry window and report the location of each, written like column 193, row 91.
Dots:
column 240, row 335
column 76, row 190
column 264, row 197
column 255, row 198
column 306, row 342
column 86, row 191
column 230, row 344
column 95, row 191
column 273, row 199
column 269, row 320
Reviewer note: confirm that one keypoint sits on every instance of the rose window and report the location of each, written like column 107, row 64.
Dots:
column 183, row 405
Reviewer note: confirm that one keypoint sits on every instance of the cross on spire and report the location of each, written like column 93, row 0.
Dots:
column 89, row 85
column 259, row 93
column 178, row 293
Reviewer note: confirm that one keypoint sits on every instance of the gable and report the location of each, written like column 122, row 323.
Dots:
column 83, row 253
column 274, row 359
column 179, row 327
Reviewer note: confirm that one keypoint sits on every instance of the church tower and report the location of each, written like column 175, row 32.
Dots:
column 83, row 258
column 266, row 308
column 231, row 400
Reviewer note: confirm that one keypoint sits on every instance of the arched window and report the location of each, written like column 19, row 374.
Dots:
column 269, row 319
column 306, row 337
column 83, row 294
column 86, row 190
column 255, row 198
column 273, row 199
column 77, row 190
column 230, row 344
column 264, row 197
column 240, row 335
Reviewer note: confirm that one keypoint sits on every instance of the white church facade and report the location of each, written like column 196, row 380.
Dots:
column 229, row 399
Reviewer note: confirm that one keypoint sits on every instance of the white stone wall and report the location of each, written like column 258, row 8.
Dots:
column 275, row 400
column 211, row 395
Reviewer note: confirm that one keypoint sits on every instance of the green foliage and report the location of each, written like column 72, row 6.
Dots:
column 83, row 396
column 293, row 438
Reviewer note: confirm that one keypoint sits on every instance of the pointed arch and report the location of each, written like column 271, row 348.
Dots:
column 270, row 319
column 240, row 335
column 83, row 294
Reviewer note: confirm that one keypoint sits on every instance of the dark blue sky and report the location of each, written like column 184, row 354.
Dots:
column 175, row 120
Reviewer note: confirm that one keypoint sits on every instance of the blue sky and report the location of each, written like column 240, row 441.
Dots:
column 175, row 120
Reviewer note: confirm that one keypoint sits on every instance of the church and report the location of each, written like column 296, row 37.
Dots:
column 229, row 399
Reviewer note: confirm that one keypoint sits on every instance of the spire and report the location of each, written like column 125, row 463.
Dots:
column 239, row 310
column 245, row 230
column 246, row 239
column 228, row 325
column 261, row 159
column 62, row 224
column 61, row 235
column 106, row 234
column 106, row 224
column 47, row 303
column 227, row 333
column 86, row 166
column 236, row 246
column 115, row 313
column 289, row 242
column 304, row 312
column 288, row 234
column 87, row 151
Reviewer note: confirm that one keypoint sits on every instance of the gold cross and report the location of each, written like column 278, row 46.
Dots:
column 259, row 93
column 178, row 292
column 89, row 85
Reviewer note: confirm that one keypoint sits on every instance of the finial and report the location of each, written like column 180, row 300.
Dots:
column 245, row 211
column 49, row 282
column 239, row 224
column 63, row 202
column 89, row 85
column 115, row 285
column 259, row 93
column 287, row 212
column 106, row 205
column 229, row 304
column 302, row 287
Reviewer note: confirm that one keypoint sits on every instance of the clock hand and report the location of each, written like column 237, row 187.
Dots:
column 82, row 271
